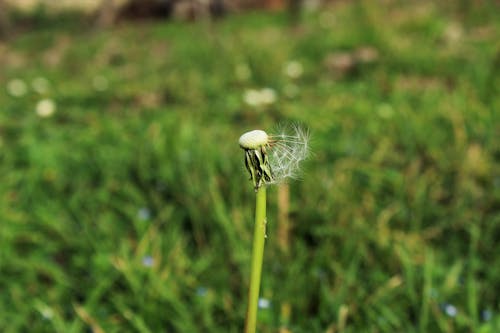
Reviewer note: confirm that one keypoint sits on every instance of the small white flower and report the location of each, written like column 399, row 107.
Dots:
column 47, row 313
column 252, row 97
column 40, row 85
column 45, row 108
column 17, row 88
column 256, row 98
column 264, row 303
column 267, row 96
column 294, row 69
column 450, row 310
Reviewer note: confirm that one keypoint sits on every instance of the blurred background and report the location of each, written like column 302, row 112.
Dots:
column 125, row 205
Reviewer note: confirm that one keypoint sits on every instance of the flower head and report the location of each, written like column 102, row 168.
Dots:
column 45, row 108
column 272, row 158
column 293, row 69
column 17, row 88
column 260, row 97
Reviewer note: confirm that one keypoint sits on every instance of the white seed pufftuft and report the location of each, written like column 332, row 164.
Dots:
column 272, row 159
column 288, row 149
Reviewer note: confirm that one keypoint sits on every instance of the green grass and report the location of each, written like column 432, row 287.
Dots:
column 129, row 210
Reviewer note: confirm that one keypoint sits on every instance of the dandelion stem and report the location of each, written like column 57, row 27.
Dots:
column 257, row 259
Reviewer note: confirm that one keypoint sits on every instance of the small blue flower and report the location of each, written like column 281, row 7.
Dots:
column 148, row 261
column 144, row 214
column 486, row 315
column 450, row 310
column 201, row 291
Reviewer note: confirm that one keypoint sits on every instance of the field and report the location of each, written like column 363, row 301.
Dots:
column 125, row 205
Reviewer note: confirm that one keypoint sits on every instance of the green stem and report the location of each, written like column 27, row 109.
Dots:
column 257, row 258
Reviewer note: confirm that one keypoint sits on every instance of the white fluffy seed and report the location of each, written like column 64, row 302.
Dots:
column 253, row 139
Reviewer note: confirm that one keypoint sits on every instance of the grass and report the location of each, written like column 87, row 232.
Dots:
column 129, row 210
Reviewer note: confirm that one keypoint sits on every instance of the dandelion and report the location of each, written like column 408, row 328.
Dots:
column 45, row 108
column 269, row 159
column 17, row 88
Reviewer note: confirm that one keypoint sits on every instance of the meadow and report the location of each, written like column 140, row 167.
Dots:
column 125, row 205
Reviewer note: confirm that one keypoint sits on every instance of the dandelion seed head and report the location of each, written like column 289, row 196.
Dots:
column 253, row 139
column 288, row 149
column 273, row 158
